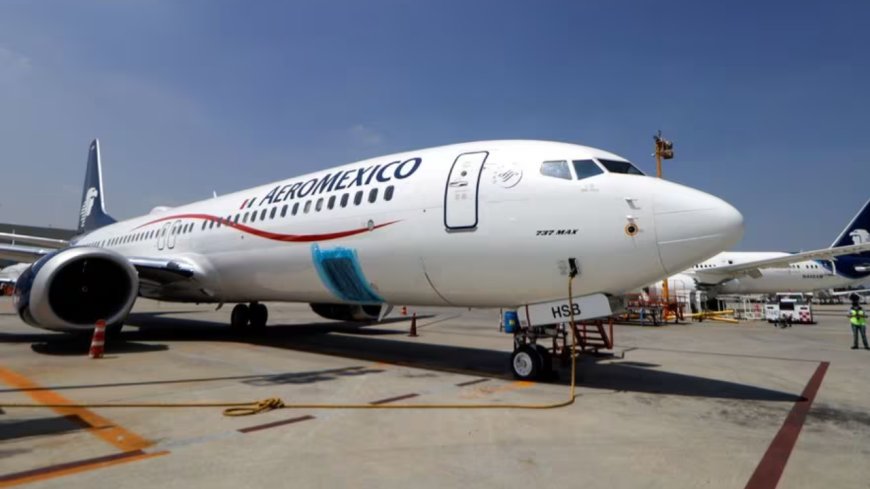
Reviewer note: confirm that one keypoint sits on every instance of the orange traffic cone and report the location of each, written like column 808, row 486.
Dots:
column 413, row 332
column 404, row 310
column 98, row 341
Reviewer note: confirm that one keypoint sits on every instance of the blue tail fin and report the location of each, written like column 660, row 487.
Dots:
column 858, row 230
column 92, row 213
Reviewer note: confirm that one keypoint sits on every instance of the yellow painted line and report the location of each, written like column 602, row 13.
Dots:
column 496, row 389
column 51, row 473
column 100, row 427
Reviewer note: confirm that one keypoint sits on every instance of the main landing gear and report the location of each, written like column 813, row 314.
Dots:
column 253, row 316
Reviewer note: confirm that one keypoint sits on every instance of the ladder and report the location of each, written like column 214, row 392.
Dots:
column 594, row 335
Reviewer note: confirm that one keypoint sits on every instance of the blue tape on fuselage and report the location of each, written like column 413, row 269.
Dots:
column 340, row 271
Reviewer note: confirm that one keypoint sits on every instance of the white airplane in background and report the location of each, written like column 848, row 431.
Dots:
column 483, row 224
column 846, row 262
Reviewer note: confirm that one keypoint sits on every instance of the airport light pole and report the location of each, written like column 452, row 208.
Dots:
column 664, row 150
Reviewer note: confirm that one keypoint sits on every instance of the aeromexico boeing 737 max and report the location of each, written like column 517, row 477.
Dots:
column 845, row 263
column 484, row 224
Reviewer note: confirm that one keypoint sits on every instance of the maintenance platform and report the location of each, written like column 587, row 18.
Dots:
column 690, row 405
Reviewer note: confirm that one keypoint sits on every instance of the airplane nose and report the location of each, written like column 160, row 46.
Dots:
column 692, row 226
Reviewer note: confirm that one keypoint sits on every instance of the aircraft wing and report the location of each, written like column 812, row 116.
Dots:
column 850, row 292
column 753, row 268
column 21, row 253
column 161, row 271
column 34, row 240
column 151, row 270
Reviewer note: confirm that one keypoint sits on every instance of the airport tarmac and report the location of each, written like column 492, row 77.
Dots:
column 696, row 405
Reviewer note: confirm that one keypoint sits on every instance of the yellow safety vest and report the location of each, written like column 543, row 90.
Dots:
column 857, row 317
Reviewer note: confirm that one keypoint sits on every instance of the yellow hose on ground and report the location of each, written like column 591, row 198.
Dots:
column 272, row 403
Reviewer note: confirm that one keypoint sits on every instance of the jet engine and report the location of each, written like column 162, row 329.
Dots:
column 69, row 290
column 348, row 312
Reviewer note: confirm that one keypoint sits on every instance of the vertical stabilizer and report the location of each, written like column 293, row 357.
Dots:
column 858, row 230
column 92, row 213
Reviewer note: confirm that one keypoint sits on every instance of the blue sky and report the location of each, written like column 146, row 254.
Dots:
column 768, row 102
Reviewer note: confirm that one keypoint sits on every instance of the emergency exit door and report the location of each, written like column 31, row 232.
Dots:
column 461, row 193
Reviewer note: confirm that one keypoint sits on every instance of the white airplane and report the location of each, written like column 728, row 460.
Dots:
column 483, row 224
column 846, row 262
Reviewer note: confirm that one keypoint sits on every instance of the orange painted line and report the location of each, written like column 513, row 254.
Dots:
column 61, row 470
column 99, row 426
column 486, row 390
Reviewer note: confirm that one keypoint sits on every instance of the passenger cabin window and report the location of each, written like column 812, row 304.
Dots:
column 307, row 206
column 586, row 169
column 558, row 169
column 295, row 208
column 373, row 195
column 319, row 205
column 624, row 167
column 344, row 198
column 388, row 193
column 357, row 199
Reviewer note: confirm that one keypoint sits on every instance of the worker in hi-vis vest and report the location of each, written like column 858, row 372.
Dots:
column 858, row 318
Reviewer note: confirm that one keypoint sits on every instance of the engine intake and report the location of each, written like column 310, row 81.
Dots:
column 69, row 290
column 348, row 312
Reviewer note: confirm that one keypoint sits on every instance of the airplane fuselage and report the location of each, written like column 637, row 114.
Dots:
column 475, row 224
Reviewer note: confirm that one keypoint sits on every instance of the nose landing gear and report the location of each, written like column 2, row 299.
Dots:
column 530, row 362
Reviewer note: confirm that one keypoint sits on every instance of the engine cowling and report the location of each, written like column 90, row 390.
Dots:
column 348, row 312
column 69, row 290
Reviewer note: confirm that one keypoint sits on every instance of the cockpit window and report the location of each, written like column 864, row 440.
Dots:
column 625, row 167
column 558, row 169
column 586, row 169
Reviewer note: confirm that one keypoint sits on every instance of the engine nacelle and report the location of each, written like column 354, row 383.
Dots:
column 69, row 290
column 348, row 312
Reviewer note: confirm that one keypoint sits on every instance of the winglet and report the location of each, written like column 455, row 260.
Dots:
column 92, row 212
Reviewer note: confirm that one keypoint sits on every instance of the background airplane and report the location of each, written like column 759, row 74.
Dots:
column 845, row 263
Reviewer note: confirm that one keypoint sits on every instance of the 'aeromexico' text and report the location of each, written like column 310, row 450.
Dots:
column 345, row 179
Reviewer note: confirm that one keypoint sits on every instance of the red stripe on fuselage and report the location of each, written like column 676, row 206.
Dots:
column 295, row 238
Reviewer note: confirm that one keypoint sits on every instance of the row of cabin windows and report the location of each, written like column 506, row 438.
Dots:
column 145, row 235
column 795, row 266
column 319, row 205
column 251, row 216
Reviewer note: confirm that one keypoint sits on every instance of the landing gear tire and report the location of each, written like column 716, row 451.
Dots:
column 258, row 316
column 527, row 363
column 240, row 316
column 546, row 362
